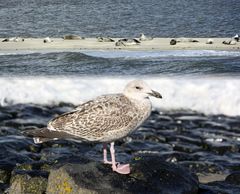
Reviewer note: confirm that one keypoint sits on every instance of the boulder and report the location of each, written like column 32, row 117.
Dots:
column 25, row 183
column 234, row 178
column 149, row 174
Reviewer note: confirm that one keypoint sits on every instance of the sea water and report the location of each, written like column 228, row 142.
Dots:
column 205, row 81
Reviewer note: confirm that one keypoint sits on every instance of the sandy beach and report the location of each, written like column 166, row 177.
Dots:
column 32, row 44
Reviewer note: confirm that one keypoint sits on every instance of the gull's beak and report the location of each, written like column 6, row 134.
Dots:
column 155, row 94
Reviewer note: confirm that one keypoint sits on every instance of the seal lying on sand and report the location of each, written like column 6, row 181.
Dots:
column 13, row 39
column 47, row 40
column 173, row 42
column 104, row 39
column 73, row 37
column 144, row 38
column 127, row 42
column 209, row 41
column 230, row 42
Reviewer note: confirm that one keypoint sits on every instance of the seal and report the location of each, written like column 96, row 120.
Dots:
column 47, row 40
column 173, row 42
column 105, row 39
column 230, row 42
column 72, row 37
column 209, row 41
column 13, row 39
column 127, row 42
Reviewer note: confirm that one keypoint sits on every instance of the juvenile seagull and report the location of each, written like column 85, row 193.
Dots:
column 104, row 119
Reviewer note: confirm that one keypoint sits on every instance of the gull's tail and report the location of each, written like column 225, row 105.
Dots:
column 39, row 135
column 44, row 134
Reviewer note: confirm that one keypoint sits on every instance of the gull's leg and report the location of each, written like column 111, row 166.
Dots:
column 105, row 160
column 120, row 168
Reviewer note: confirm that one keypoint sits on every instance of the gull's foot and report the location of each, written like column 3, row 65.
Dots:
column 109, row 162
column 121, row 168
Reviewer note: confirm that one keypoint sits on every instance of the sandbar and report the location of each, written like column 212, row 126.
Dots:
column 157, row 44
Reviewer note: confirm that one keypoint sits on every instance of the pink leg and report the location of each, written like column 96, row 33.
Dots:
column 120, row 168
column 105, row 160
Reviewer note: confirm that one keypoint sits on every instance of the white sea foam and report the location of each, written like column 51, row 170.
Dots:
column 208, row 95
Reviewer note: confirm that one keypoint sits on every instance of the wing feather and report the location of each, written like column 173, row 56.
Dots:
column 96, row 118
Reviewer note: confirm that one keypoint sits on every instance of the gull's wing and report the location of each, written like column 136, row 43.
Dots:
column 93, row 119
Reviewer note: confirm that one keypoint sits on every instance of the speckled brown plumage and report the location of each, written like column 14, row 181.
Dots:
column 104, row 119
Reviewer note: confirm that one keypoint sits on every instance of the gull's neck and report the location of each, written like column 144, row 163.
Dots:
column 138, row 100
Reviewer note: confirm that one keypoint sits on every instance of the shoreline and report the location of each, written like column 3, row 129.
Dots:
column 157, row 44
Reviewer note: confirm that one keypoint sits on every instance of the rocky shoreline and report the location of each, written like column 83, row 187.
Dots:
column 179, row 151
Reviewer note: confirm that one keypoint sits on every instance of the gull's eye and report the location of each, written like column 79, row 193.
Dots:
column 138, row 87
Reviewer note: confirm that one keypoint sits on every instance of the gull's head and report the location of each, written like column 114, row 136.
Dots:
column 138, row 89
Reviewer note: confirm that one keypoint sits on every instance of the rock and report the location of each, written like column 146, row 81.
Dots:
column 137, row 146
column 16, row 149
column 5, row 175
column 234, row 178
column 5, row 116
column 219, row 187
column 24, row 184
column 149, row 175
column 4, row 131
column 200, row 167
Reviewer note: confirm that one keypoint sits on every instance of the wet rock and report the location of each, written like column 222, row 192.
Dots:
column 192, row 118
column 22, row 123
column 5, row 116
column 147, row 134
column 220, row 147
column 218, row 187
column 149, row 175
column 5, row 175
column 16, row 149
column 24, row 183
column 200, row 167
column 4, row 131
column 62, row 108
column 138, row 146
column 175, row 156
column 212, row 124
column 185, row 147
column 234, row 178
column 201, row 143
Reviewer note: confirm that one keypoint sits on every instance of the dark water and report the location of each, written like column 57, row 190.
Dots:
column 196, row 18
column 74, row 64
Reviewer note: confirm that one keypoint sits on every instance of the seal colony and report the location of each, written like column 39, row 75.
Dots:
column 103, row 120
column 71, row 42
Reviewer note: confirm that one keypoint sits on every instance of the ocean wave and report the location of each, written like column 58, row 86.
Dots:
column 159, row 54
column 208, row 95
column 132, row 54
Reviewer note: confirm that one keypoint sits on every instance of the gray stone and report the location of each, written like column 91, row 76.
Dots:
column 149, row 175
column 26, row 184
